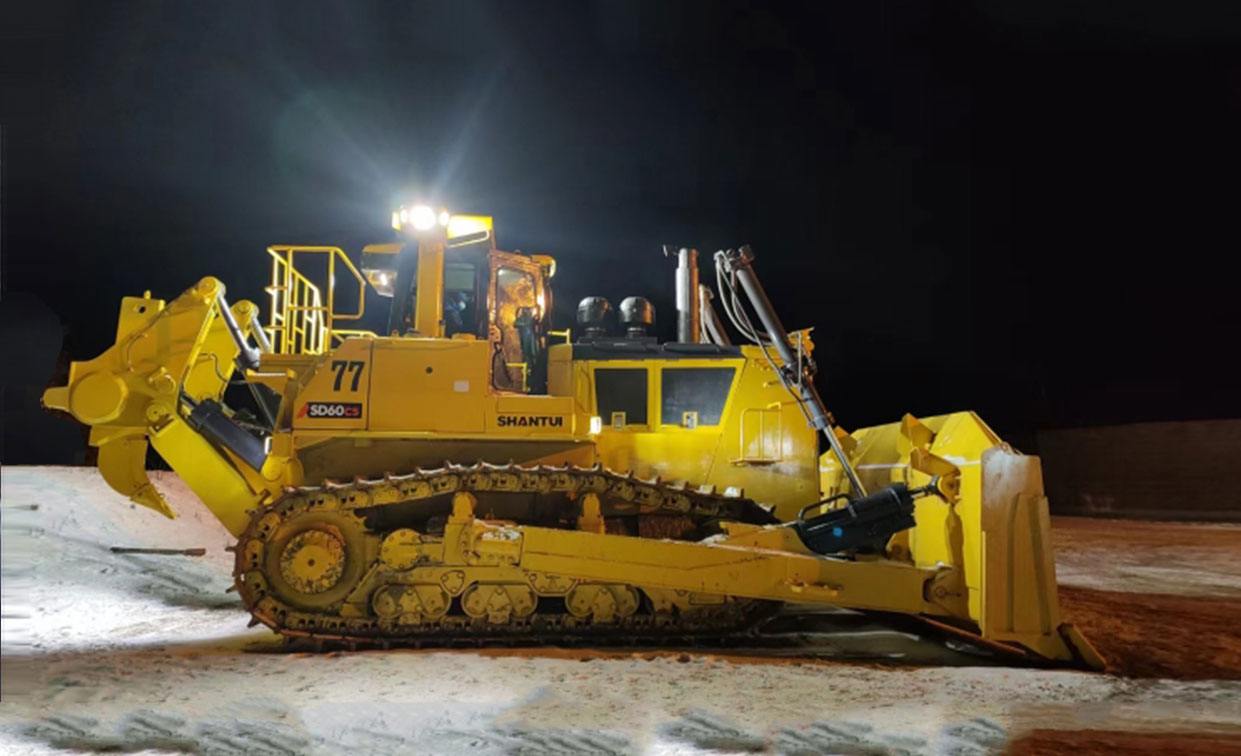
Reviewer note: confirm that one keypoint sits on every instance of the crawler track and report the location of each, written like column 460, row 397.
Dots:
column 311, row 566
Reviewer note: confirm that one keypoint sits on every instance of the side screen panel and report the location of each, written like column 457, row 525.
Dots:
column 621, row 390
column 701, row 390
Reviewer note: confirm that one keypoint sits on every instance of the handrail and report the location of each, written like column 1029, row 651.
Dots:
column 299, row 321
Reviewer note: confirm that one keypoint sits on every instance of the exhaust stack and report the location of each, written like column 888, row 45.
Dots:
column 689, row 329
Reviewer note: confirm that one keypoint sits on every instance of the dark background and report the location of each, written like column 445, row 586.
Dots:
column 1024, row 208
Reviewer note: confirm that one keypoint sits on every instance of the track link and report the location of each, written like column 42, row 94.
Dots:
column 343, row 525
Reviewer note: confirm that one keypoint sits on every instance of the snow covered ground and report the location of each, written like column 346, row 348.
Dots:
column 102, row 651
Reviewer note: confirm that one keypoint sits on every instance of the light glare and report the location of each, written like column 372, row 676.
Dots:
column 422, row 217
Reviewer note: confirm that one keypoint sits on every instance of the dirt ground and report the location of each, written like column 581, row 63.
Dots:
column 109, row 652
column 1049, row 742
column 1157, row 599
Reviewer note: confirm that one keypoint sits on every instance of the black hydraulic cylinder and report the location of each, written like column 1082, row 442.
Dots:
column 208, row 418
column 867, row 522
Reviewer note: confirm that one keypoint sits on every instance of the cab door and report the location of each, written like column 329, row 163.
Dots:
column 517, row 303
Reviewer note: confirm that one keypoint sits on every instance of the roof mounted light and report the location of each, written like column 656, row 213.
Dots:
column 424, row 222
column 421, row 219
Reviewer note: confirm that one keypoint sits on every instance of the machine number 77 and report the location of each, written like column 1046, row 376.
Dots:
column 353, row 367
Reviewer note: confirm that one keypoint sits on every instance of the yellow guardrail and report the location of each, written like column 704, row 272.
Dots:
column 302, row 319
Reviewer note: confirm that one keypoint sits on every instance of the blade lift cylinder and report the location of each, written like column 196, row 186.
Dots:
column 739, row 264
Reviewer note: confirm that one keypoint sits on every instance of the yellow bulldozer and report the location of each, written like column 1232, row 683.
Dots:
column 462, row 471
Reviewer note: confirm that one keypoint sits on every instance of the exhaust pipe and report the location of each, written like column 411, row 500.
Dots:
column 688, row 314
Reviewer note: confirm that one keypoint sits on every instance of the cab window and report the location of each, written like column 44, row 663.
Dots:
column 460, row 298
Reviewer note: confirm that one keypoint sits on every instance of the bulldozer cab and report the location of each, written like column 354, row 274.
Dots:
column 451, row 282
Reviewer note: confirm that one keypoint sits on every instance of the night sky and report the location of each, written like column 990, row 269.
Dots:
column 1025, row 208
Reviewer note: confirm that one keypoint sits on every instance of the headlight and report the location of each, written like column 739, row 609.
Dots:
column 424, row 220
column 422, row 217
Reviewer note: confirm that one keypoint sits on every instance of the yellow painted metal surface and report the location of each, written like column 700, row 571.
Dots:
column 997, row 533
column 354, row 404
column 429, row 307
column 762, row 563
column 429, row 385
column 723, row 569
column 469, row 227
column 409, row 386
column 131, row 393
column 761, row 444
column 123, row 465
column 332, row 392
column 212, row 474
column 560, row 372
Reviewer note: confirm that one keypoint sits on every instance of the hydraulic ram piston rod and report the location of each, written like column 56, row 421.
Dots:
column 740, row 264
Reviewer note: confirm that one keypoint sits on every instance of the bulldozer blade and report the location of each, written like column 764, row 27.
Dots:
column 997, row 532
column 1020, row 603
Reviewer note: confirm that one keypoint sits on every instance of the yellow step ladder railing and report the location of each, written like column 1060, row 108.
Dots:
column 300, row 320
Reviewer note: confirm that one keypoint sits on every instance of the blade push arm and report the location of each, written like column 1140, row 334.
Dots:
column 774, row 562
